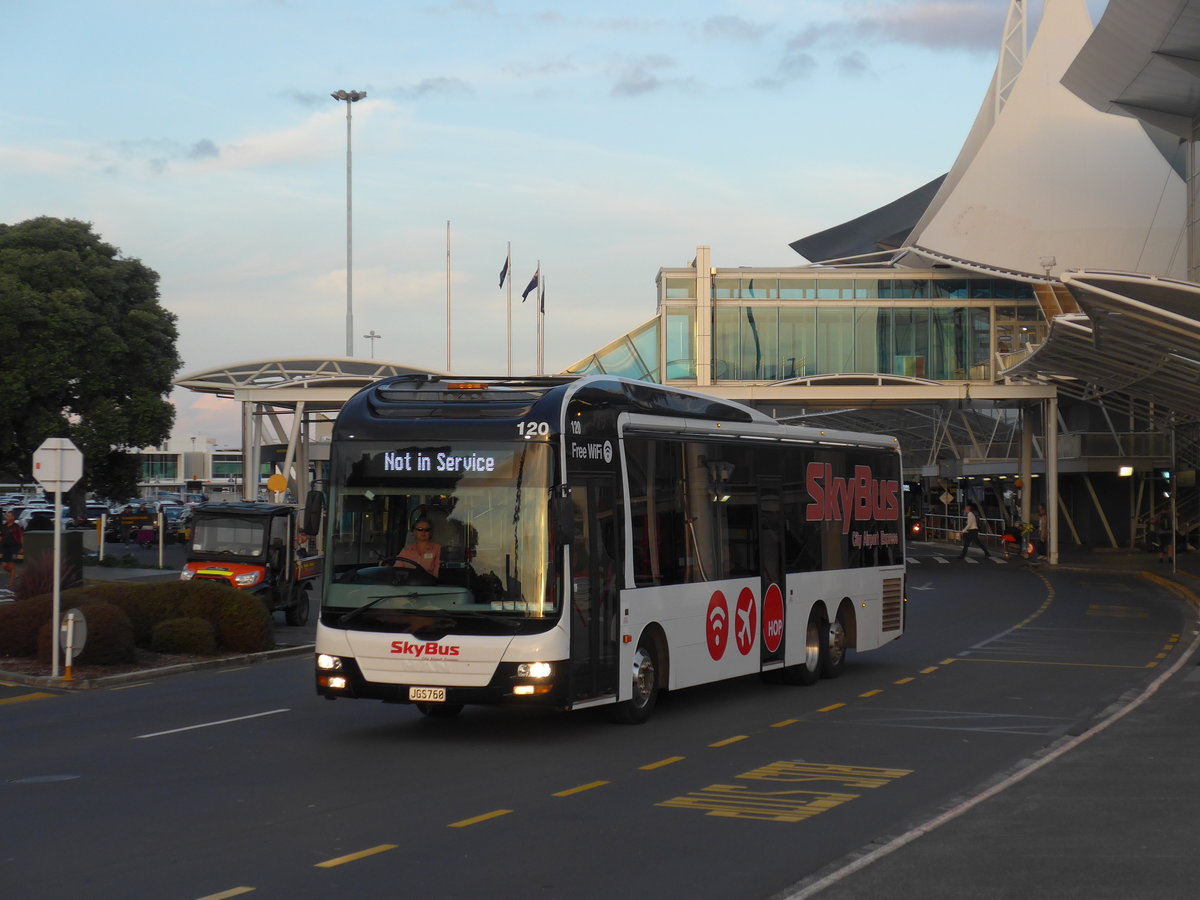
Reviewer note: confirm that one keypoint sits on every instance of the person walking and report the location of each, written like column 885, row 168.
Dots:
column 12, row 536
column 970, row 533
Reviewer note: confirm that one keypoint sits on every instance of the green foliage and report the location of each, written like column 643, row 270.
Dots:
column 86, row 352
column 244, row 625
column 188, row 635
column 36, row 576
column 123, row 615
column 109, row 637
column 20, row 622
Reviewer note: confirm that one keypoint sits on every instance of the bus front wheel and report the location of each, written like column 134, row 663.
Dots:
column 640, row 705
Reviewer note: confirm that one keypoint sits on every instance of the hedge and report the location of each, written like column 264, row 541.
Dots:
column 123, row 616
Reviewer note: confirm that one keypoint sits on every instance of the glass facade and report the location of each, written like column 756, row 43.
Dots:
column 774, row 327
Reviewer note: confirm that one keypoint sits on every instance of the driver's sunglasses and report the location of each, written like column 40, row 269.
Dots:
column 421, row 529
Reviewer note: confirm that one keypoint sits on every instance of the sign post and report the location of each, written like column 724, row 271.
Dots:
column 57, row 465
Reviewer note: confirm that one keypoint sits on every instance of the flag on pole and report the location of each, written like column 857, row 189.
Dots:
column 533, row 283
column 541, row 296
column 504, row 271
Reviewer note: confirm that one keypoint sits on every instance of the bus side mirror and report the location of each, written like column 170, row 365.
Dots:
column 562, row 512
column 314, row 505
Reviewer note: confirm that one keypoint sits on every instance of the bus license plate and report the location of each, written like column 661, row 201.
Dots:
column 427, row 695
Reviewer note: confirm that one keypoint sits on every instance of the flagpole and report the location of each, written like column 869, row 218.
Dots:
column 510, row 271
column 447, row 295
column 541, row 322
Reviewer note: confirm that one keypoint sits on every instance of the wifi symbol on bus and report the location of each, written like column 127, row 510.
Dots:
column 716, row 629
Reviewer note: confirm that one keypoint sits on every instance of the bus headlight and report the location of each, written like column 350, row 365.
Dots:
column 535, row 670
column 328, row 663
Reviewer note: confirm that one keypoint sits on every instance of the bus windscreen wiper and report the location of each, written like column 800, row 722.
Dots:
column 510, row 621
column 346, row 618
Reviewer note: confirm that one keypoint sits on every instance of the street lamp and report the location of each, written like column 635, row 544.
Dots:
column 372, row 337
column 351, row 97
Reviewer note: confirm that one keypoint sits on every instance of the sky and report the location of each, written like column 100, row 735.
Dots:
column 603, row 140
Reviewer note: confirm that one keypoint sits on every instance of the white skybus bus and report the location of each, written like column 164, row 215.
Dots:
column 596, row 540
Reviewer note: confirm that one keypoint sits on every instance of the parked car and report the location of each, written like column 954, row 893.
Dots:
column 35, row 519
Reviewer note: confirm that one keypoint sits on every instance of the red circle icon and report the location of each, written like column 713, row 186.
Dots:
column 716, row 625
column 745, row 621
column 773, row 618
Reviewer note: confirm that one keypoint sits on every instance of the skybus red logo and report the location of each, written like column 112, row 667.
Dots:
column 860, row 498
column 431, row 648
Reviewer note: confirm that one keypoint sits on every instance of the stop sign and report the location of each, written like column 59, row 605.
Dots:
column 57, row 465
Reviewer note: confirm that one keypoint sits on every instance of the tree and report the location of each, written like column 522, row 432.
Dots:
column 86, row 352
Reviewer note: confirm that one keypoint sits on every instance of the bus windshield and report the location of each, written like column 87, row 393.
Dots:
column 452, row 535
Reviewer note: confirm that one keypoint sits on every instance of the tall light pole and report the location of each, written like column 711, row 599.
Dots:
column 372, row 337
column 351, row 97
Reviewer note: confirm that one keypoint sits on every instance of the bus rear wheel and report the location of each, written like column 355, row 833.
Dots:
column 835, row 649
column 640, row 705
column 816, row 649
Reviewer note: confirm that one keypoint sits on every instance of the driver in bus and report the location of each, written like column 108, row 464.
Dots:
column 422, row 550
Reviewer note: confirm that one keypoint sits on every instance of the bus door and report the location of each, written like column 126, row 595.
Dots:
column 595, row 571
column 774, row 602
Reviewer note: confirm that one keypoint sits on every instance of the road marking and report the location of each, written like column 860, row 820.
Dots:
column 580, row 789
column 474, row 820
column 929, row 669
column 1041, row 662
column 903, row 681
column 352, row 857
column 36, row 695
column 662, row 762
column 785, row 722
column 730, row 740
column 871, row 693
column 831, row 708
column 125, row 687
column 232, row 892
column 737, row 801
column 270, row 712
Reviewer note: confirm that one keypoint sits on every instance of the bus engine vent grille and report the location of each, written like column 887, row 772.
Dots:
column 893, row 603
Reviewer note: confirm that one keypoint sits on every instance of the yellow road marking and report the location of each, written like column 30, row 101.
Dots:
column 580, row 789
column 1038, row 662
column 36, row 695
column 730, row 740
column 946, row 662
column 351, row 857
column 871, row 693
column 232, row 892
column 831, row 708
column 929, row 669
column 902, row 681
column 662, row 762
column 495, row 813
column 784, row 723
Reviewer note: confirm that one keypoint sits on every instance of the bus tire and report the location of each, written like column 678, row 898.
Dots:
column 439, row 710
column 816, row 643
column 640, row 705
column 835, row 648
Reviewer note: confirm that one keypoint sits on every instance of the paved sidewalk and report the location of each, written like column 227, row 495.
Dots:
column 1111, row 813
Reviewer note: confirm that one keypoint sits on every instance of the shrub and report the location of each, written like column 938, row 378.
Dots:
column 109, row 637
column 243, row 624
column 20, row 622
column 186, row 635
column 37, row 577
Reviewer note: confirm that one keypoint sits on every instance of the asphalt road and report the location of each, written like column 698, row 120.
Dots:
column 210, row 784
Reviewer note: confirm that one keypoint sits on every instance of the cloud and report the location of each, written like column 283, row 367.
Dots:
column 733, row 28
column 440, row 86
column 932, row 24
column 639, row 76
